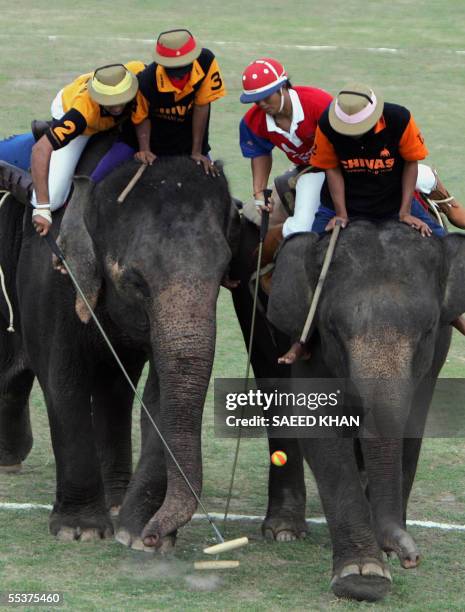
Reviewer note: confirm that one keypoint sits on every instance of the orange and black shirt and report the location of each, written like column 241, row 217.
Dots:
column 170, row 109
column 372, row 165
column 82, row 115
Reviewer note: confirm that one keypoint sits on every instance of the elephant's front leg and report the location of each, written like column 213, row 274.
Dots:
column 285, row 517
column 147, row 488
column 358, row 568
column 112, row 399
column 79, row 511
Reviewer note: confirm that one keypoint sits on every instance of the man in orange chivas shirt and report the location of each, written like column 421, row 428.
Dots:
column 369, row 150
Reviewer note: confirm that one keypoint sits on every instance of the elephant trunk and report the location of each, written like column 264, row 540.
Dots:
column 385, row 405
column 183, row 328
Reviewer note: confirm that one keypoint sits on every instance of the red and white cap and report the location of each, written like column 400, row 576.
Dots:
column 261, row 78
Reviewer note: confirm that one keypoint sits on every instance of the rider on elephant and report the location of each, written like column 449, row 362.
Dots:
column 92, row 103
column 177, row 90
column 369, row 150
column 286, row 117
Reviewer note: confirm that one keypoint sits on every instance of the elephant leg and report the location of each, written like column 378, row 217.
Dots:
column 285, row 517
column 358, row 568
column 79, row 511
column 383, row 460
column 147, row 488
column 112, row 399
column 15, row 425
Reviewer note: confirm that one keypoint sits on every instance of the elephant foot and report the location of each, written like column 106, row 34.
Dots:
column 69, row 528
column 69, row 534
column 284, row 529
column 394, row 539
column 11, row 469
column 365, row 579
column 165, row 546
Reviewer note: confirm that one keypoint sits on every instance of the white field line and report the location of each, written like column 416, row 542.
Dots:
column 319, row 520
column 238, row 43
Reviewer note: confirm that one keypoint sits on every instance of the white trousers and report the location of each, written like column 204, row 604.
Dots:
column 63, row 163
column 426, row 180
column 307, row 201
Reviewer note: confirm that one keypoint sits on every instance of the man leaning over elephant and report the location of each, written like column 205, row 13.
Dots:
column 92, row 103
column 177, row 90
column 369, row 150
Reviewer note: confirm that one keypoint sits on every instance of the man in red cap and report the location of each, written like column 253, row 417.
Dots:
column 286, row 117
column 178, row 89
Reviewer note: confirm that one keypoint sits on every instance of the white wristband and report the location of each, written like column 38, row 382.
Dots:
column 259, row 203
column 41, row 206
column 45, row 214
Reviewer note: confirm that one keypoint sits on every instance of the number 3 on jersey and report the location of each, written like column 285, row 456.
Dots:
column 216, row 79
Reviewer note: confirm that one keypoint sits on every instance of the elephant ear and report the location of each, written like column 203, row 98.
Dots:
column 78, row 248
column 454, row 296
column 291, row 292
column 233, row 229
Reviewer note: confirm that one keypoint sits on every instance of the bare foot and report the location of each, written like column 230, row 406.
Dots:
column 296, row 352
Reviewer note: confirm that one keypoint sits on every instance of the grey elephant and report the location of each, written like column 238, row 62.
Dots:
column 383, row 322
column 151, row 268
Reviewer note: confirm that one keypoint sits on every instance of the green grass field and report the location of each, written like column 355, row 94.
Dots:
column 415, row 53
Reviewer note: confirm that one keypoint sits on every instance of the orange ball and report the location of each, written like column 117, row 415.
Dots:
column 279, row 458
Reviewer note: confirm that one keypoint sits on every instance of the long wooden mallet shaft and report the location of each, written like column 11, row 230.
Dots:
column 132, row 182
column 321, row 281
column 263, row 232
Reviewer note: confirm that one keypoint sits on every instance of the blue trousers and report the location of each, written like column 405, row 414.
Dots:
column 324, row 215
column 16, row 150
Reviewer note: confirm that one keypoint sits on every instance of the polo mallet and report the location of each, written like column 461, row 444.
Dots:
column 132, row 182
column 222, row 545
column 263, row 231
column 321, row 280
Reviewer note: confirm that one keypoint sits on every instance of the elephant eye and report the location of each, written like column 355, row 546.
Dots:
column 135, row 281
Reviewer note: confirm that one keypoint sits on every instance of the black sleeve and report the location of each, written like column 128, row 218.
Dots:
column 63, row 130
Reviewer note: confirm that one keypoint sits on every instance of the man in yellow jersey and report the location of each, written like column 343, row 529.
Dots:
column 93, row 103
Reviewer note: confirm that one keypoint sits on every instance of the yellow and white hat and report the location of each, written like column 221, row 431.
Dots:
column 113, row 85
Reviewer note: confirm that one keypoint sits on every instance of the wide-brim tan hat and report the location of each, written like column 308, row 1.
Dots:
column 355, row 110
column 113, row 85
column 176, row 48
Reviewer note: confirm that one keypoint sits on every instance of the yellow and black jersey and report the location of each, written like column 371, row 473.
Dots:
column 82, row 115
column 170, row 108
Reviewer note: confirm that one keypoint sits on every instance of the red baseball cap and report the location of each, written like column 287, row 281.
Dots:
column 261, row 78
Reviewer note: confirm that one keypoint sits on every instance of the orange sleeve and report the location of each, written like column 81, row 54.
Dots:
column 141, row 111
column 412, row 145
column 212, row 87
column 323, row 153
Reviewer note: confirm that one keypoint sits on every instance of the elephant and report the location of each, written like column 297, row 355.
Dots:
column 151, row 269
column 77, row 348
column 383, row 323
